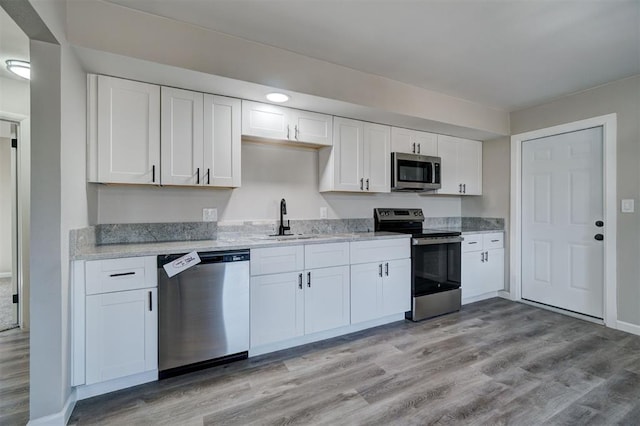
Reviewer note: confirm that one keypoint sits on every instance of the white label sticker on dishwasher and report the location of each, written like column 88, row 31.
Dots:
column 181, row 263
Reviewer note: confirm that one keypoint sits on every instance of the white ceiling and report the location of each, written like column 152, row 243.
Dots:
column 504, row 54
column 14, row 44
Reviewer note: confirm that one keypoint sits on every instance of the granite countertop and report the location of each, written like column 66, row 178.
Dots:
column 467, row 230
column 111, row 251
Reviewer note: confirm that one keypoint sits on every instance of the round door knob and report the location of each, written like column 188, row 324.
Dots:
column 599, row 237
column 599, row 223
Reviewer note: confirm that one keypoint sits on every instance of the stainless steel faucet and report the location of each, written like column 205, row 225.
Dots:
column 283, row 210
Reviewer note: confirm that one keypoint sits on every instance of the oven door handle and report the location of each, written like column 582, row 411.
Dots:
column 431, row 241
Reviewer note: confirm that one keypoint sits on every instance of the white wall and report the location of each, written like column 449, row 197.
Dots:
column 14, row 98
column 6, row 204
column 269, row 173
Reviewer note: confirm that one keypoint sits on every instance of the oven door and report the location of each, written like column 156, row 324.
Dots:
column 410, row 172
column 436, row 265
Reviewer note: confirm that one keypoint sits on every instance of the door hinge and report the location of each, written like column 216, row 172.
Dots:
column 15, row 298
column 14, row 143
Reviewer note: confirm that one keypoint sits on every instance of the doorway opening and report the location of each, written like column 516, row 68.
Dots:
column 9, row 272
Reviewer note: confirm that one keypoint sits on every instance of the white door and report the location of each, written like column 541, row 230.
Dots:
column 181, row 137
column 562, row 199
column 469, row 166
column 348, row 145
column 277, row 307
column 326, row 299
column 265, row 121
column 312, row 127
column 396, row 287
column 221, row 166
column 121, row 334
column 128, row 131
column 377, row 158
column 366, row 289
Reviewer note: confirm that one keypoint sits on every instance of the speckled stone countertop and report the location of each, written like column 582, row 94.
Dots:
column 111, row 251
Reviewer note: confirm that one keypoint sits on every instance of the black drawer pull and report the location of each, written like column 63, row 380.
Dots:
column 494, row 241
column 473, row 242
column 122, row 274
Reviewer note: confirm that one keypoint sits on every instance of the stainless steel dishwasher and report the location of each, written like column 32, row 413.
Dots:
column 203, row 312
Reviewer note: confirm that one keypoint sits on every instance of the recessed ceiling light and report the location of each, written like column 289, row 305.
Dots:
column 21, row 68
column 277, row 97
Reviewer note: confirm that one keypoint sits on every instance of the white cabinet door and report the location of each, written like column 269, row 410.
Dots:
column 222, row 149
column 366, row 291
column 448, row 153
column 277, row 307
column 470, row 166
column 127, row 133
column 472, row 274
column 348, row 146
column 265, row 121
column 121, row 334
column 396, row 287
column 413, row 142
column 426, row 143
column 494, row 274
column 326, row 299
column 377, row 157
column 461, row 168
column 182, row 132
column 311, row 127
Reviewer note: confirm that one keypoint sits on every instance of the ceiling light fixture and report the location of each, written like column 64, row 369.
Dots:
column 21, row 68
column 277, row 97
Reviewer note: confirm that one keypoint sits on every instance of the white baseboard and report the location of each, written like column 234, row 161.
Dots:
column 467, row 300
column 60, row 418
column 628, row 327
column 505, row 295
column 88, row 391
column 5, row 274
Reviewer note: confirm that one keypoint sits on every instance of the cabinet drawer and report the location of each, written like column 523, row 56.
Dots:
column 472, row 242
column 379, row 250
column 130, row 273
column 326, row 255
column 275, row 260
column 495, row 240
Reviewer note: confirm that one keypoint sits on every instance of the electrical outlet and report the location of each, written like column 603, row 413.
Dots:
column 323, row 212
column 209, row 215
column 628, row 206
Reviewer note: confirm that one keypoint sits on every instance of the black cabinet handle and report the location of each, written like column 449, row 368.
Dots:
column 300, row 281
column 418, row 148
column 208, row 176
column 380, row 269
column 486, row 256
column 309, row 279
column 367, row 184
column 414, row 147
column 122, row 274
column 599, row 237
column 386, row 269
column 361, row 184
column 198, row 175
column 150, row 302
column 153, row 173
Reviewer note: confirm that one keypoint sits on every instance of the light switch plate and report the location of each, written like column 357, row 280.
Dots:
column 209, row 215
column 323, row 212
column 628, row 206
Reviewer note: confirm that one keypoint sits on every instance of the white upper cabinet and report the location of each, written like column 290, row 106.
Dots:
column 124, row 131
column 281, row 123
column 200, row 139
column 222, row 150
column 181, row 140
column 413, row 142
column 360, row 159
column 461, row 170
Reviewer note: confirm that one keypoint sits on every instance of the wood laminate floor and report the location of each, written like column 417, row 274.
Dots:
column 14, row 377
column 495, row 362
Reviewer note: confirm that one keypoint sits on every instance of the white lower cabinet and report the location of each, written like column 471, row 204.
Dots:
column 121, row 334
column 482, row 265
column 380, row 279
column 380, row 289
column 288, row 301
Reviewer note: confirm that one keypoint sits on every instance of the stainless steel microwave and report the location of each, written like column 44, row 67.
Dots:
column 414, row 173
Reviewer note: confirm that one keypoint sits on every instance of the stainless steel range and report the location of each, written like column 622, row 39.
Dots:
column 435, row 262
